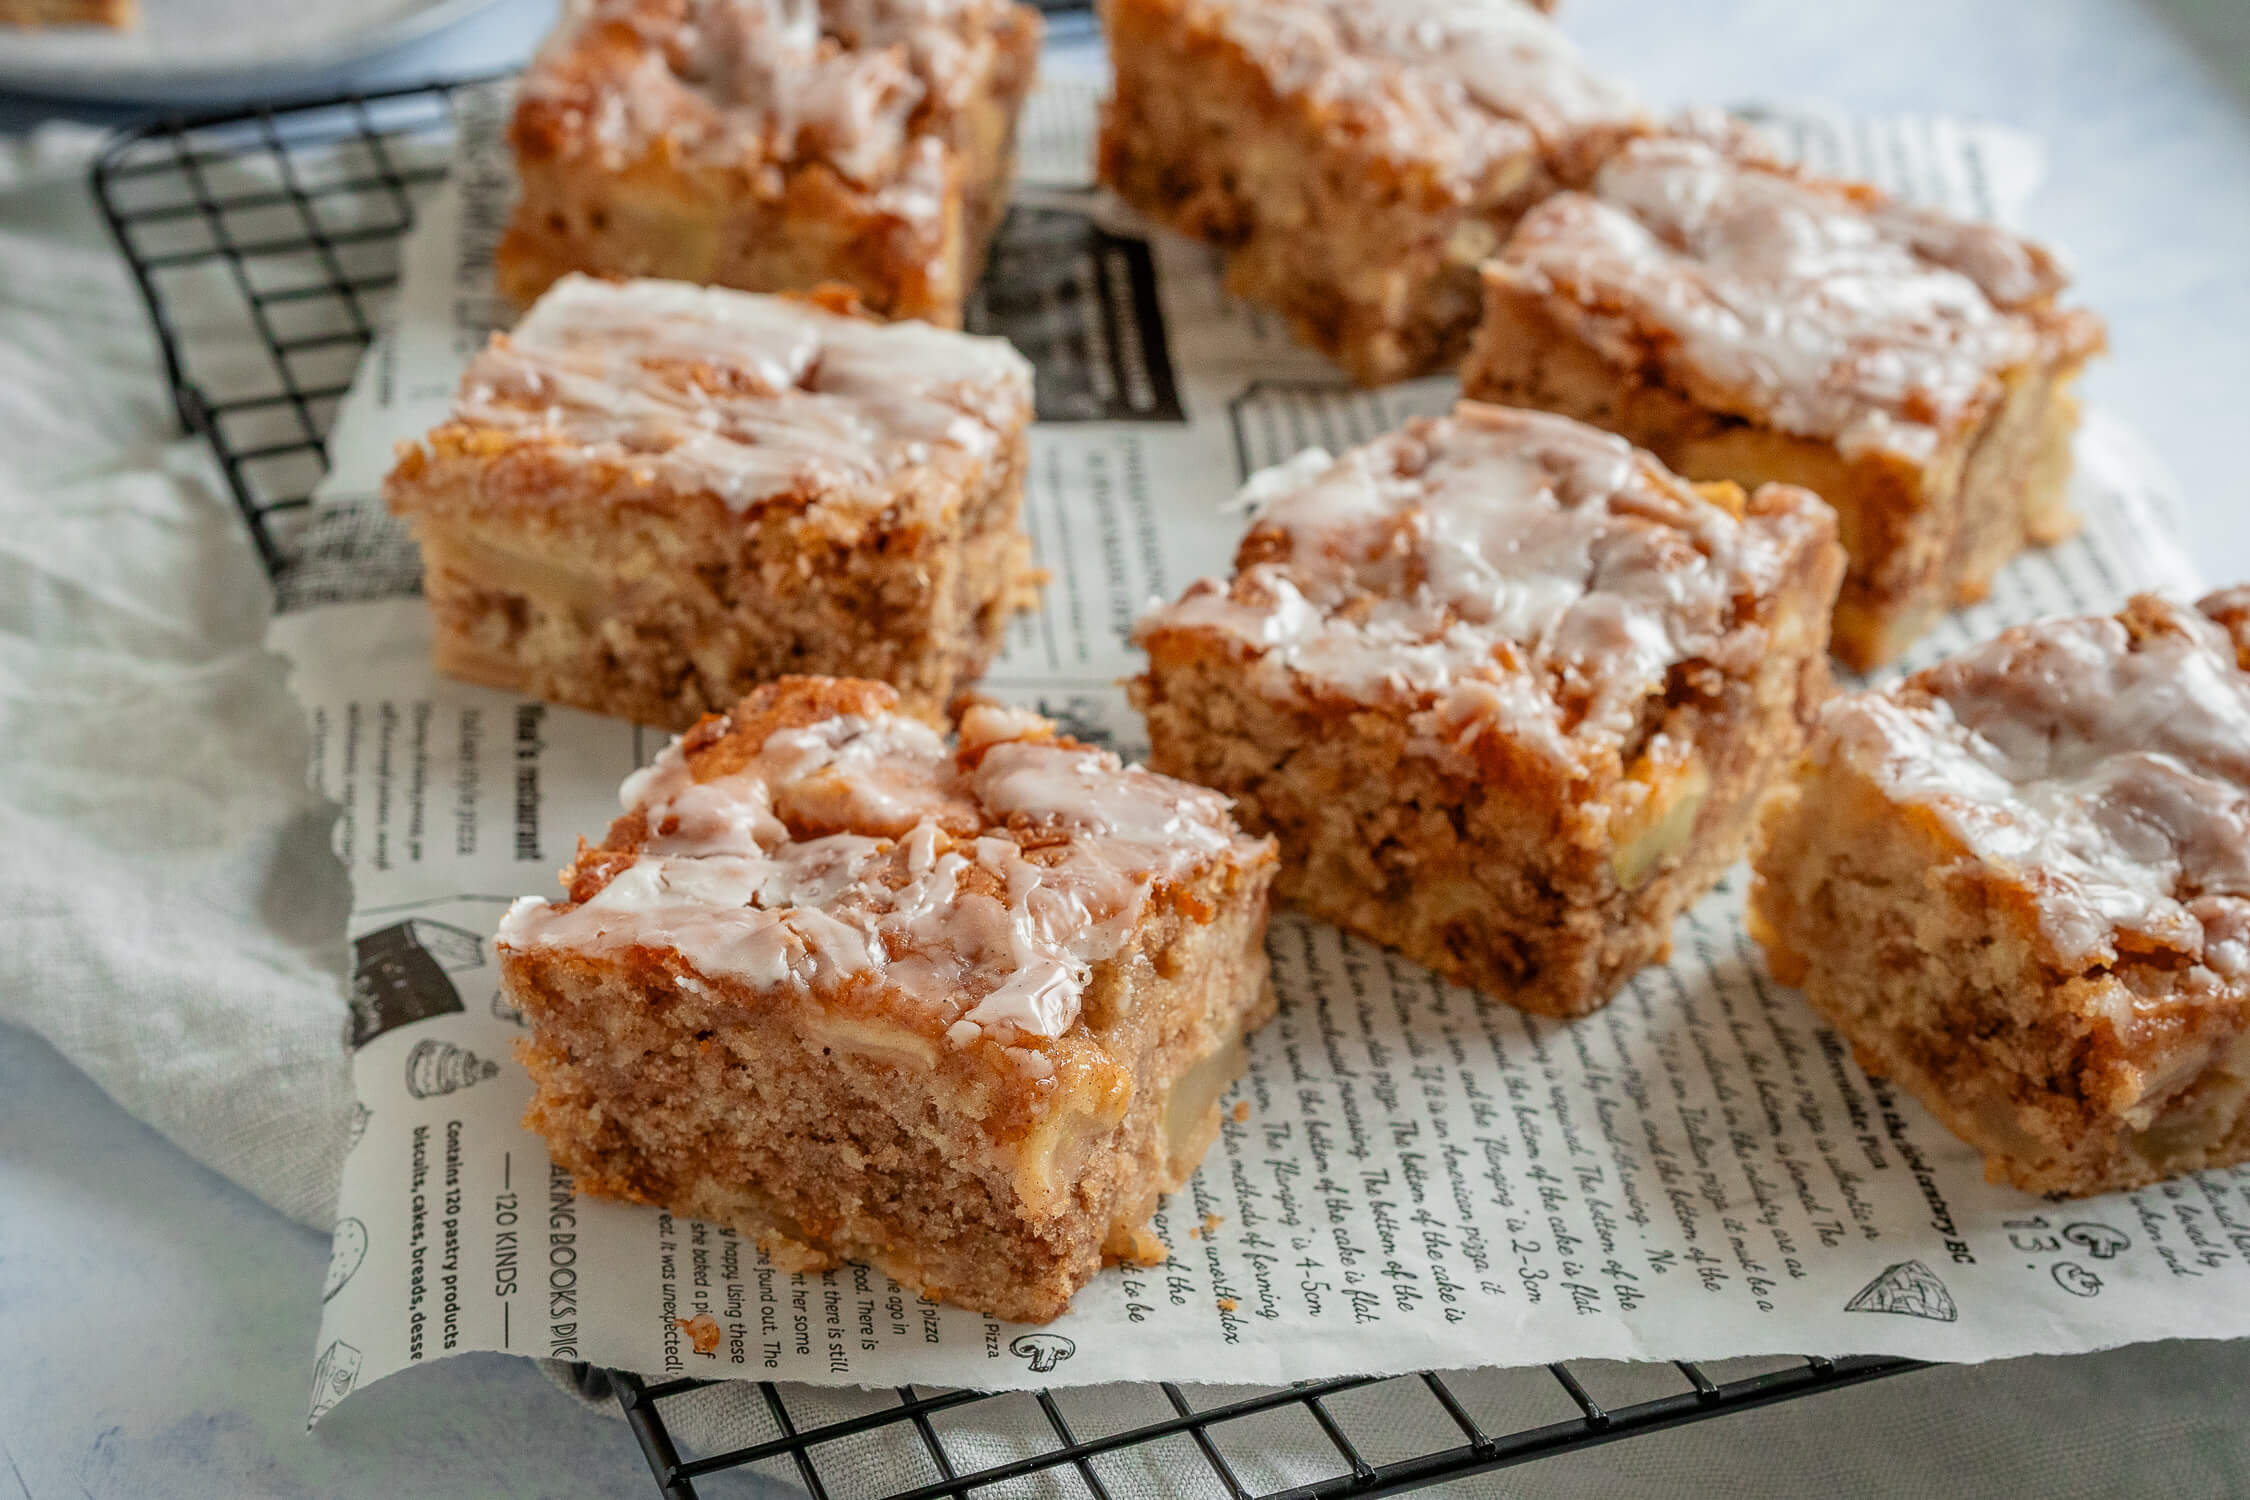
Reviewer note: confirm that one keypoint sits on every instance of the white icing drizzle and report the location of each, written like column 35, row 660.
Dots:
column 852, row 83
column 1465, row 83
column 1498, row 569
column 744, row 395
column 1277, row 481
column 2104, row 763
column 1821, row 308
column 857, row 848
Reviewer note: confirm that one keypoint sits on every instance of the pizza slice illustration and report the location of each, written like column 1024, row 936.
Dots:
column 1908, row 1288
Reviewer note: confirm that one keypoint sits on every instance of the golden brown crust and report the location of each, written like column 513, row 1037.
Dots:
column 1695, row 299
column 1920, row 538
column 661, row 607
column 859, row 1113
column 1362, row 224
column 1926, row 963
column 1541, row 890
column 2073, row 1006
column 1813, row 306
column 1540, row 847
column 911, row 239
column 573, row 555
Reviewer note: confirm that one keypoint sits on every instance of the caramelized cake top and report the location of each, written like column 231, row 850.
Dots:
column 860, row 85
column 818, row 841
column 1821, row 308
column 740, row 394
column 1464, row 84
column 2102, row 763
column 1498, row 570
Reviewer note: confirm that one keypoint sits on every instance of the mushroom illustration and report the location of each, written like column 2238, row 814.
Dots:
column 2098, row 1240
column 2076, row 1279
column 1044, row 1350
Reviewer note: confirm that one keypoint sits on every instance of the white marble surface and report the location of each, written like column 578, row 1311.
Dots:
column 117, row 1255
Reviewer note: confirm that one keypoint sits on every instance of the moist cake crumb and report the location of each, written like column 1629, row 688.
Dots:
column 1354, row 159
column 961, row 1011
column 2019, row 883
column 1504, row 689
column 652, row 497
column 772, row 148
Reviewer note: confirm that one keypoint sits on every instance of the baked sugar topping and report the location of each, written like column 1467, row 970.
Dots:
column 1821, row 308
column 2104, row 763
column 746, row 395
column 1459, row 81
column 977, row 889
column 1496, row 570
column 845, row 82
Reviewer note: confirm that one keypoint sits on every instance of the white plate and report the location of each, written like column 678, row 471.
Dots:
column 211, row 48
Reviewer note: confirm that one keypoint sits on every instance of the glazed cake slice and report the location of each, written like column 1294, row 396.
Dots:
column 1743, row 320
column 772, row 147
column 962, row 1013
column 1504, row 688
column 1355, row 159
column 2019, row 884
column 653, row 497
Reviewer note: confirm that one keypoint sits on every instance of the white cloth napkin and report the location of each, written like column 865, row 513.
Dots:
column 173, row 913
column 171, row 919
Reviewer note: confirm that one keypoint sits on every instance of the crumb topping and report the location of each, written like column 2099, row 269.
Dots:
column 1495, row 570
column 852, row 83
column 2102, row 762
column 1822, row 308
column 745, row 395
column 1468, row 83
column 816, row 852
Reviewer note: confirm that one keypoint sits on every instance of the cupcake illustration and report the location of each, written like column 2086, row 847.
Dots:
column 435, row 1068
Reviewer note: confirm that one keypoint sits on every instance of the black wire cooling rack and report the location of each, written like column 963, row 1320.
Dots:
column 283, row 222
column 1191, row 1448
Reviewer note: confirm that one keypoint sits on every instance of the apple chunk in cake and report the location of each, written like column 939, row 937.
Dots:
column 2019, row 884
column 1504, row 688
column 1743, row 320
column 771, row 147
column 653, row 497
column 963, row 1013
